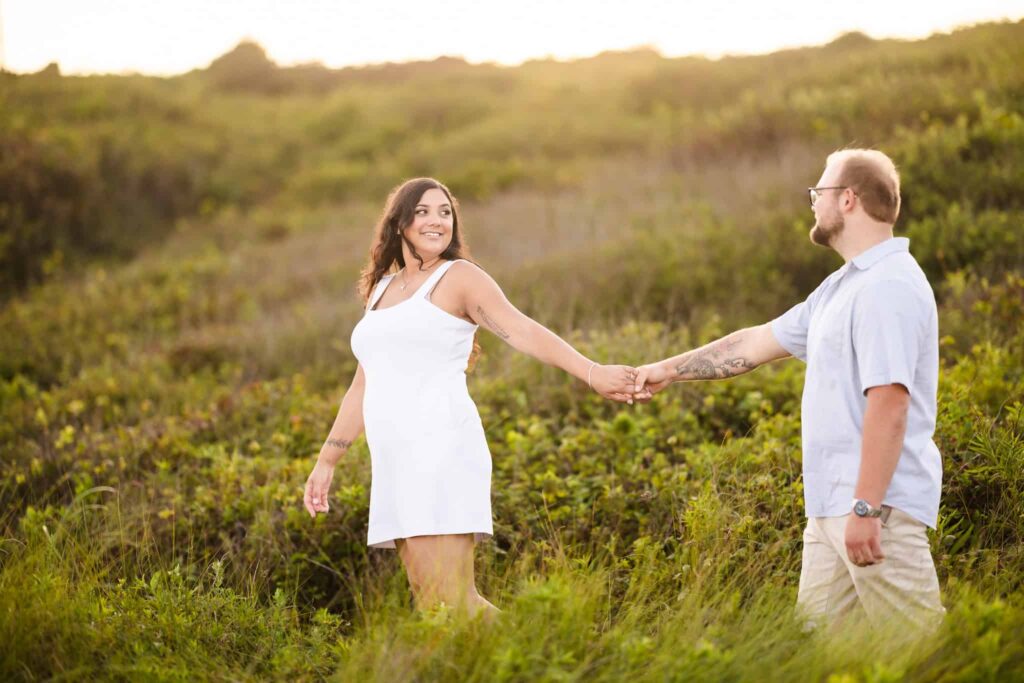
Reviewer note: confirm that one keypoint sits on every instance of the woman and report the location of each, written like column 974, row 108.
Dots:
column 431, row 468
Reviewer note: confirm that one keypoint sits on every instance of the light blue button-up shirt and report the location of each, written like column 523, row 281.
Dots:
column 870, row 323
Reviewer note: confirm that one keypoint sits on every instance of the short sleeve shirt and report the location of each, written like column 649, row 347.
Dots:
column 873, row 322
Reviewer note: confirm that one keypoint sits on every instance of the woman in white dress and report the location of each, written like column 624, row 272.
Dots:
column 430, row 465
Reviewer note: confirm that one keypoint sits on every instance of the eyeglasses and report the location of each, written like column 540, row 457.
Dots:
column 814, row 192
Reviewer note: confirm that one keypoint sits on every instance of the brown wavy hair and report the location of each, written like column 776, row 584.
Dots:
column 386, row 254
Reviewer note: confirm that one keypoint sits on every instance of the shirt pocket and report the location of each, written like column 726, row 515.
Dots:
column 831, row 332
column 834, row 342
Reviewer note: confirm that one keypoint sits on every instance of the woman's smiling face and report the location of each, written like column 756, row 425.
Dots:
column 431, row 230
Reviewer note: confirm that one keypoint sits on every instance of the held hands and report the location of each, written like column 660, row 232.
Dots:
column 650, row 379
column 616, row 382
column 864, row 540
column 317, row 487
column 627, row 384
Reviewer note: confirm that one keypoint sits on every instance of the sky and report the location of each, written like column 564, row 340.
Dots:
column 167, row 37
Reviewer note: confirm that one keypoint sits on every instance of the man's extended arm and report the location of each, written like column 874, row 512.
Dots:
column 732, row 355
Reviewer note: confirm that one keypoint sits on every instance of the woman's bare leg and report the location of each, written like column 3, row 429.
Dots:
column 440, row 569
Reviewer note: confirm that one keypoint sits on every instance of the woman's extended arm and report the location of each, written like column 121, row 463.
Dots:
column 348, row 425
column 486, row 304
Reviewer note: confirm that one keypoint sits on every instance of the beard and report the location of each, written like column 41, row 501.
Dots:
column 826, row 231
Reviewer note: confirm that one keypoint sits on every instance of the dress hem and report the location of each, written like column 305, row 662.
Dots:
column 389, row 543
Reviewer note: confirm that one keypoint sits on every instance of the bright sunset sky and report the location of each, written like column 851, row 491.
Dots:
column 173, row 36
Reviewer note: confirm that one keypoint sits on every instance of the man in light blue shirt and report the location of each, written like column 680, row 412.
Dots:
column 869, row 335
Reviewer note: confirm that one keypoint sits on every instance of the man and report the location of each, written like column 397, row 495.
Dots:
column 869, row 336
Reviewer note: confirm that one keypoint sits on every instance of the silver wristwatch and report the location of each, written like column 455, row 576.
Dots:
column 862, row 508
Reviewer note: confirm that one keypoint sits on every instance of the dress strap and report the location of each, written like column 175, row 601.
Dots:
column 378, row 291
column 429, row 283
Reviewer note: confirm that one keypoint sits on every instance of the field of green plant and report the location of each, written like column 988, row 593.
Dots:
column 178, row 260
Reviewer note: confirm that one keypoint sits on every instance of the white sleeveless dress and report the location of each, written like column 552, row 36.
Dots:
column 430, row 465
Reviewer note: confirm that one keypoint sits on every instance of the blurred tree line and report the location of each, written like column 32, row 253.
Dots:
column 98, row 167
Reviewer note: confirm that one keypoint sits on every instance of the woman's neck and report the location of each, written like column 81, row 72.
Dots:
column 412, row 264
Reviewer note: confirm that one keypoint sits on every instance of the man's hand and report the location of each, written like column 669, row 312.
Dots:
column 650, row 379
column 864, row 540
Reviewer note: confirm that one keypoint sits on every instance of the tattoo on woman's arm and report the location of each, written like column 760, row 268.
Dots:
column 715, row 361
column 343, row 444
column 495, row 327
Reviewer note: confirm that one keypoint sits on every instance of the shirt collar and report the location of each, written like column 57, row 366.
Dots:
column 893, row 245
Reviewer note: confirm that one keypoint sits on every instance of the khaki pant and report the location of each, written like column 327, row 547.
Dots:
column 903, row 586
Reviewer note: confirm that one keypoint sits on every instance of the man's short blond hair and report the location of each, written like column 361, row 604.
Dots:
column 873, row 176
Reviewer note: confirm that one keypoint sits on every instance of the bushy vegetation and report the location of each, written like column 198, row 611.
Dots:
column 180, row 258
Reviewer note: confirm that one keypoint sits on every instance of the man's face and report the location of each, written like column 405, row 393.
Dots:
column 828, row 219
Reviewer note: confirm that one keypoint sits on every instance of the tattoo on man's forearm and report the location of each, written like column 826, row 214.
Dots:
column 343, row 444
column 697, row 368
column 489, row 321
column 715, row 361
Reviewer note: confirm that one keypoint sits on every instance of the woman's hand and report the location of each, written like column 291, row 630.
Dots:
column 614, row 381
column 317, row 487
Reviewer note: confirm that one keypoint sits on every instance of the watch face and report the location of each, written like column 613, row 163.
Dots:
column 861, row 508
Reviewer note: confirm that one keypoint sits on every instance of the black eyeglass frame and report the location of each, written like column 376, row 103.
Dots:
column 813, row 192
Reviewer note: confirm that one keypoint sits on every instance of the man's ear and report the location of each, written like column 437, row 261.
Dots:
column 848, row 199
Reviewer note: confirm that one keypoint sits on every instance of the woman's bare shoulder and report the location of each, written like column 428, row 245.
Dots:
column 470, row 280
column 468, row 272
